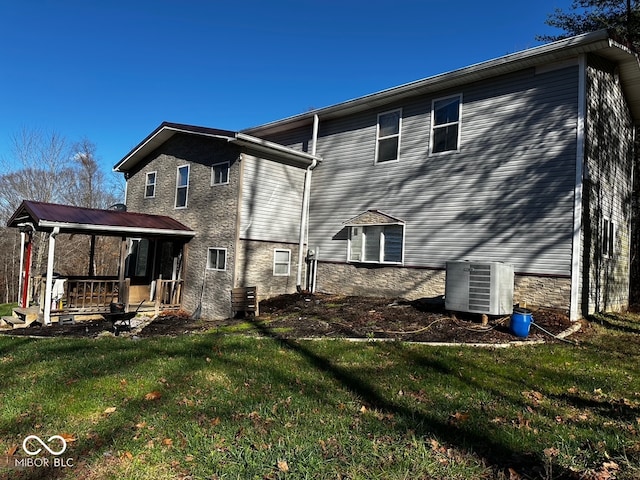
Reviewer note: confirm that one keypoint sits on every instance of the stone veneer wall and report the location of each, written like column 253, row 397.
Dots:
column 414, row 283
column 254, row 267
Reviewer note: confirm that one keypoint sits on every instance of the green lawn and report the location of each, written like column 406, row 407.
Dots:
column 215, row 406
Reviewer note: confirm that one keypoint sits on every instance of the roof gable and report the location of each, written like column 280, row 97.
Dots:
column 373, row 217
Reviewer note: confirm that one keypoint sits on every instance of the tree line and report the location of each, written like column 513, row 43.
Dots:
column 46, row 167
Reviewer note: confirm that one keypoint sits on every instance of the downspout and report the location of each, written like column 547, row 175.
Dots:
column 304, row 216
column 49, row 283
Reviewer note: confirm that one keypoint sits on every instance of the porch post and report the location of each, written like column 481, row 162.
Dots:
column 49, row 283
column 121, row 271
column 92, row 256
column 22, row 275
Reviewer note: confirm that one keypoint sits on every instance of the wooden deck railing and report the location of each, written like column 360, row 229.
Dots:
column 96, row 294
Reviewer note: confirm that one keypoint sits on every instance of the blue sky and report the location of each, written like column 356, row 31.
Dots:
column 112, row 71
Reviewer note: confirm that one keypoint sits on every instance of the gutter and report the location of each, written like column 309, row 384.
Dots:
column 304, row 215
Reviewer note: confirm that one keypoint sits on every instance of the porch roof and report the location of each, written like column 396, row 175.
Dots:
column 91, row 221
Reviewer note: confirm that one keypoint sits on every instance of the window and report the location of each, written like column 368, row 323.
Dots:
column 182, row 186
column 388, row 143
column 446, row 124
column 376, row 243
column 608, row 237
column 281, row 262
column 217, row 259
column 150, row 185
column 220, row 173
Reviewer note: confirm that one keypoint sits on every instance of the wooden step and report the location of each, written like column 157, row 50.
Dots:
column 14, row 322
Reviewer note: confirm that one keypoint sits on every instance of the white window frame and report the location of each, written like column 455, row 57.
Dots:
column 381, row 244
column 218, row 250
column 380, row 138
column 148, row 184
column 275, row 262
column 186, row 187
column 213, row 173
column 608, row 237
column 434, row 127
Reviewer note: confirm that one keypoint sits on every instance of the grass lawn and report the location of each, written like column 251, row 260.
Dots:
column 215, row 406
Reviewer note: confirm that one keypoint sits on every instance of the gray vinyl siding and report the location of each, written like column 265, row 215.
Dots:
column 271, row 201
column 507, row 195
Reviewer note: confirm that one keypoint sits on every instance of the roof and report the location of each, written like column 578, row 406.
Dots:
column 373, row 217
column 598, row 42
column 253, row 145
column 91, row 221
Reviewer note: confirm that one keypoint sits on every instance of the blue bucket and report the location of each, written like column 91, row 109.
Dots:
column 521, row 322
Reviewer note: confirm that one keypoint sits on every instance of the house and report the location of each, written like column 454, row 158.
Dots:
column 526, row 159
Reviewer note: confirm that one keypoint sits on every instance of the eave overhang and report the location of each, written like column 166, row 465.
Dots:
column 571, row 48
column 45, row 217
column 246, row 142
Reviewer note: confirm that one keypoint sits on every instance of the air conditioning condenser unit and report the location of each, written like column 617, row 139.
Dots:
column 479, row 287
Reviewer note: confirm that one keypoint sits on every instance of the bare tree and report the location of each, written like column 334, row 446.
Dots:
column 45, row 167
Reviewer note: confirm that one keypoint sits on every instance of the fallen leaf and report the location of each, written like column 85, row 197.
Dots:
column 167, row 442
column 215, row 422
column 513, row 475
column 551, row 452
column 459, row 417
column 141, row 425
column 110, row 410
column 12, row 451
column 128, row 455
column 283, row 466
column 611, row 465
column 155, row 395
column 68, row 437
column 363, row 409
column 189, row 458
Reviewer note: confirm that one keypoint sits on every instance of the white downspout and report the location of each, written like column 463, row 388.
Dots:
column 49, row 283
column 304, row 216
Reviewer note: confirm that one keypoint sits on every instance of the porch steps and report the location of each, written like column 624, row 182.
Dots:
column 21, row 318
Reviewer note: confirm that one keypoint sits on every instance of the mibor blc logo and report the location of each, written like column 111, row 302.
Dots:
column 38, row 451
column 27, row 443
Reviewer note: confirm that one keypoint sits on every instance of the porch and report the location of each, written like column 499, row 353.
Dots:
column 150, row 264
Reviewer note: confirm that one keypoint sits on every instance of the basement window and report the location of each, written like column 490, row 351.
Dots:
column 217, row 259
column 281, row 263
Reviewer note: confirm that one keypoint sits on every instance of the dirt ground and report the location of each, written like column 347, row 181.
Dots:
column 304, row 316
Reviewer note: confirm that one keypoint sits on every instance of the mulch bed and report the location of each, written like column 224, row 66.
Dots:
column 335, row 316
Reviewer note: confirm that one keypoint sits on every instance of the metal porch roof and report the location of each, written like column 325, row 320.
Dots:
column 91, row 221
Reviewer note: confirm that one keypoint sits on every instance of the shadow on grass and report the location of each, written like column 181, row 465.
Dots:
column 495, row 454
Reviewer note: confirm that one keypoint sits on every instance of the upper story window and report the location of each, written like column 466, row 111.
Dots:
column 388, row 136
column 220, row 173
column 217, row 259
column 281, row 262
column 445, row 135
column 182, row 186
column 376, row 243
column 150, row 185
column 608, row 237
